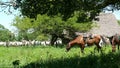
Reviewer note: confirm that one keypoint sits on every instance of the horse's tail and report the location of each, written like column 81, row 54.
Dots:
column 103, row 39
column 110, row 39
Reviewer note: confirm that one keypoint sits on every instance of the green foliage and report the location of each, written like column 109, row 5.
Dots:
column 77, row 25
column 55, row 25
column 45, row 26
column 119, row 22
column 65, row 8
column 23, row 25
column 5, row 34
column 42, row 37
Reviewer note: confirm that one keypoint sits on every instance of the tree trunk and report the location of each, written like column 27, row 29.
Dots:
column 53, row 39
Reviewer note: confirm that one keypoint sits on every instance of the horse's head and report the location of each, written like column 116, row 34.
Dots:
column 112, row 41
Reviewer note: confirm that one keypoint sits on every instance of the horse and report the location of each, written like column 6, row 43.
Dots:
column 83, row 41
column 115, row 40
column 78, row 40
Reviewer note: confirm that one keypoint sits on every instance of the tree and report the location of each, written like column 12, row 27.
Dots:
column 45, row 26
column 5, row 34
column 66, row 8
column 72, row 13
column 23, row 25
column 119, row 22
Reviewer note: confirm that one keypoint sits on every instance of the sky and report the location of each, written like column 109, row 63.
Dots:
column 6, row 20
column 117, row 14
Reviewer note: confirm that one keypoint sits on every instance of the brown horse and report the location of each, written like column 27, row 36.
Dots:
column 82, row 41
column 78, row 40
column 115, row 40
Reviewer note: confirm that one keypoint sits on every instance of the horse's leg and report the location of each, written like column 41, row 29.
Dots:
column 113, row 47
column 68, row 47
column 82, row 49
column 118, row 46
column 94, row 50
column 99, row 48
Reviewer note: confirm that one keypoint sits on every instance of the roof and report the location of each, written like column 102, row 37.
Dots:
column 107, row 25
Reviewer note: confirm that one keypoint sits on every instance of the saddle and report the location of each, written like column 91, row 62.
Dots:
column 84, row 38
column 90, row 36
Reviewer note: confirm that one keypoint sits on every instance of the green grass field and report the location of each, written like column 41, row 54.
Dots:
column 56, row 57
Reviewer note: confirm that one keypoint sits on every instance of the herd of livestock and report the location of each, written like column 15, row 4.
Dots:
column 82, row 41
column 32, row 43
column 27, row 43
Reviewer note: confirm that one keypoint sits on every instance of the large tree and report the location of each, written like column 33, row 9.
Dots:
column 66, row 9
column 86, row 10
column 46, row 26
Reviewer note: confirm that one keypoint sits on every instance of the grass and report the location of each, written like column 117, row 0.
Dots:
column 52, row 57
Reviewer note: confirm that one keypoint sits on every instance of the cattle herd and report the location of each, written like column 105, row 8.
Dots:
column 28, row 43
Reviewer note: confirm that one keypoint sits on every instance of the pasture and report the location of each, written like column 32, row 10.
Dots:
column 56, row 57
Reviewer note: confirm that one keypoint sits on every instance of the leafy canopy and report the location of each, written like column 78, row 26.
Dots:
column 45, row 25
column 66, row 8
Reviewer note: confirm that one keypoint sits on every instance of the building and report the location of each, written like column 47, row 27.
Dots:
column 106, row 25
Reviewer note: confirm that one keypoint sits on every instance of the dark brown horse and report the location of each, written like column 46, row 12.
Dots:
column 83, row 41
column 115, row 40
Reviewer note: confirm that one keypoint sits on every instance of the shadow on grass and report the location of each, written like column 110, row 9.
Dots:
column 109, row 60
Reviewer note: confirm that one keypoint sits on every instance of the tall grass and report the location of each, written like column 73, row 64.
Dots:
column 52, row 57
